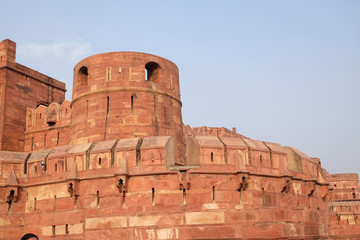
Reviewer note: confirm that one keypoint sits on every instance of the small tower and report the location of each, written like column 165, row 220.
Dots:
column 126, row 94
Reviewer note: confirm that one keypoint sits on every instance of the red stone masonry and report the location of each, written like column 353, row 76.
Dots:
column 21, row 87
column 117, row 162
column 126, row 94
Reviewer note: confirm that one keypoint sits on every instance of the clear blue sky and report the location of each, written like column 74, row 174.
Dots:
column 278, row 71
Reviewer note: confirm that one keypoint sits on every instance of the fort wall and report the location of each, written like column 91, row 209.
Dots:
column 21, row 87
column 117, row 162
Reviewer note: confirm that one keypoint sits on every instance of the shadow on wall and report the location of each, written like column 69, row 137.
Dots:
column 29, row 236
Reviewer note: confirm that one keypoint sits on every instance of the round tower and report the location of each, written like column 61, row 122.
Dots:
column 126, row 94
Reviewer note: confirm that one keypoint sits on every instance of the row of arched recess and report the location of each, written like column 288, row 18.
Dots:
column 49, row 114
column 152, row 73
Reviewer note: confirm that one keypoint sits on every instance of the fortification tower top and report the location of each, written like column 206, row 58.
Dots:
column 126, row 94
column 125, row 69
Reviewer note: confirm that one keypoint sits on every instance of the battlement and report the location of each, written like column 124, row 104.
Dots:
column 212, row 131
column 47, row 127
column 117, row 162
column 156, row 154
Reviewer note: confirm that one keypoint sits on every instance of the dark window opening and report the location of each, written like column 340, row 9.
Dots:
column 261, row 160
column 97, row 199
column 99, row 161
column 133, row 96
column 213, row 194
column 354, row 195
column 153, row 196
column 40, row 116
column 212, row 156
column 35, row 169
column 107, row 105
column 83, row 76
column 152, row 72
column 32, row 143
column 55, row 167
column 132, row 105
column 66, row 229
column 53, row 230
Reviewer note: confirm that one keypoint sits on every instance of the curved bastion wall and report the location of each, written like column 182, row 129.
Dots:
column 126, row 94
column 117, row 162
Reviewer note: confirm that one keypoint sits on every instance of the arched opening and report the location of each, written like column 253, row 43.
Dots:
column 29, row 236
column 152, row 72
column 83, row 76
column 133, row 96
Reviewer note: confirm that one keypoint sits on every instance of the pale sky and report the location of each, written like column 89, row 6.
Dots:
column 279, row 71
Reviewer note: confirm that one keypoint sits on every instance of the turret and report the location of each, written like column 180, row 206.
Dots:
column 126, row 94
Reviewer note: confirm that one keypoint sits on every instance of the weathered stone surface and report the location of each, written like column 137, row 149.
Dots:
column 129, row 173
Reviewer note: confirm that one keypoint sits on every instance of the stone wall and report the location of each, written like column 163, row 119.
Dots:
column 21, row 87
column 117, row 163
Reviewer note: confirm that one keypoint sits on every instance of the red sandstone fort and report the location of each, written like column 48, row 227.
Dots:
column 117, row 162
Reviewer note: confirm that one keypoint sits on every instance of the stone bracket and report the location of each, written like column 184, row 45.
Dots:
column 287, row 186
column 326, row 194
column 243, row 182
column 310, row 188
column 122, row 184
column 184, row 179
column 11, row 194
column 72, row 187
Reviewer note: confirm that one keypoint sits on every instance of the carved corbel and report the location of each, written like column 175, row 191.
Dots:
column 243, row 185
column 326, row 194
column 12, row 187
column 72, row 180
column 184, row 179
column 11, row 194
column 310, row 188
column 122, row 184
column 72, row 187
column 286, row 187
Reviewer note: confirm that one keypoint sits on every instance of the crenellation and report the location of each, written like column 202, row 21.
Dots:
column 118, row 162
